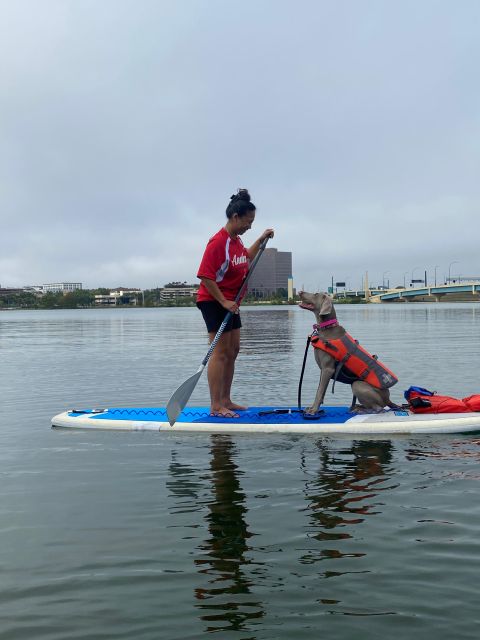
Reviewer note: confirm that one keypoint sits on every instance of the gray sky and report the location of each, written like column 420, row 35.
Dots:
column 126, row 125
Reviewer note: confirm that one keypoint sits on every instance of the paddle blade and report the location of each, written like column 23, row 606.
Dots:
column 181, row 396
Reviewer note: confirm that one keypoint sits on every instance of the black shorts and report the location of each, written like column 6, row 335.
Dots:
column 214, row 314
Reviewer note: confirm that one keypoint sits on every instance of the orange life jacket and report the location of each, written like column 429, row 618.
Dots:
column 360, row 364
column 428, row 402
column 472, row 402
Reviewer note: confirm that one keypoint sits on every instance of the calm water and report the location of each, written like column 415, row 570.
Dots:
column 148, row 536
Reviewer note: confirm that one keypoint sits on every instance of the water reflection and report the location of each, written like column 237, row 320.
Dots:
column 341, row 493
column 449, row 450
column 225, row 602
column 223, row 596
column 185, row 486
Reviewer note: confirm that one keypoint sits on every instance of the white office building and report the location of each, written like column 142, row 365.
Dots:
column 173, row 293
column 61, row 287
column 117, row 296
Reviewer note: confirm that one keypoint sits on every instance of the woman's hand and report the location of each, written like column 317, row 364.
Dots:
column 254, row 249
column 268, row 233
column 230, row 305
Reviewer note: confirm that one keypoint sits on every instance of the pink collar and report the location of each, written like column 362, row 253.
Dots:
column 327, row 323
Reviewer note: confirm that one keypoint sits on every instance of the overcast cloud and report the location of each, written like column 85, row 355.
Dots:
column 126, row 125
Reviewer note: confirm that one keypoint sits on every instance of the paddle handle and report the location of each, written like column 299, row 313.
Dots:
column 238, row 297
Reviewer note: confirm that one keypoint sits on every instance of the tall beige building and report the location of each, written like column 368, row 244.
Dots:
column 271, row 273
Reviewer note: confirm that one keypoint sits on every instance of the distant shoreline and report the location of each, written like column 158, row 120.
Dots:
column 247, row 304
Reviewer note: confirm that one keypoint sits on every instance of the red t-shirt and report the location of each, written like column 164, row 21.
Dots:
column 226, row 262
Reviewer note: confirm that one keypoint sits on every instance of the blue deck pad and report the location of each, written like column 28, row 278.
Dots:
column 331, row 415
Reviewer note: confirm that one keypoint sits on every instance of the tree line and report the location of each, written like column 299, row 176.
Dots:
column 85, row 299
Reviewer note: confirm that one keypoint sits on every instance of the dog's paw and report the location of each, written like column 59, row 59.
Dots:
column 311, row 411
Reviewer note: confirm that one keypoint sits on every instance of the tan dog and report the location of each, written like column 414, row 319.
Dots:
column 370, row 398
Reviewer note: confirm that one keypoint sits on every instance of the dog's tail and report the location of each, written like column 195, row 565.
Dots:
column 392, row 405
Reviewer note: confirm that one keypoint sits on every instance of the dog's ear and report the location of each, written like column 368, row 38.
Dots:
column 326, row 306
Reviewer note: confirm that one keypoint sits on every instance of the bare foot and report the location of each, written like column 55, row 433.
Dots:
column 223, row 412
column 234, row 406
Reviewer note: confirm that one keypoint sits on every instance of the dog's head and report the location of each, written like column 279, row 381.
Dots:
column 320, row 303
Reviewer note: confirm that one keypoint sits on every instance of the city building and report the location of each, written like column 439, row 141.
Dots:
column 173, row 293
column 61, row 287
column 118, row 296
column 272, row 273
column 106, row 299
column 8, row 291
column 290, row 289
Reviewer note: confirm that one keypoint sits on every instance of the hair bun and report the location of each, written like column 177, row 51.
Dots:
column 242, row 194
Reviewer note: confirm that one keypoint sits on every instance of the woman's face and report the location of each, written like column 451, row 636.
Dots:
column 243, row 223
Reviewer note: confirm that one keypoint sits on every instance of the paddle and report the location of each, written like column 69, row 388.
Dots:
column 182, row 395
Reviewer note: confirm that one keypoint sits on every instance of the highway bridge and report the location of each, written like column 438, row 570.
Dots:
column 455, row 292
column 358, row 293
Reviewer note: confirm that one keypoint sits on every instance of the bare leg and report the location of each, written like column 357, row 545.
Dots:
column 218, row 367
column 230, row 370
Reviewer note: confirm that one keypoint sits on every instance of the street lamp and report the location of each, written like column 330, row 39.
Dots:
column 383, row 278
column 347, row 285
column 449, row 268
column 404, row 274
column 436, row 267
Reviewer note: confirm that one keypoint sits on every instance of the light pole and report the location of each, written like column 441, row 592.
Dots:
column 436, row 267
column 383, row 278
column 404, row 274
column 449, row 268
column 347, row 285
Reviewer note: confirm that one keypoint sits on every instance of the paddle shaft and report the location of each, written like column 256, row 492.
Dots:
column 240, row 293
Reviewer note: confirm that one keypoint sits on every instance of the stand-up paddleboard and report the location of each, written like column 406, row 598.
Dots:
column 333, row 420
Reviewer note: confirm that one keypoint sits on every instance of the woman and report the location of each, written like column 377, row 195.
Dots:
column 222, row 270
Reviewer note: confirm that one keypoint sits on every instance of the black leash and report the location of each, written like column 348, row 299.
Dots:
column 299, row 395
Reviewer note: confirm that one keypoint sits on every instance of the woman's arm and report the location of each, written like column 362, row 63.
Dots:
column 214, row 290
column 253, row 250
